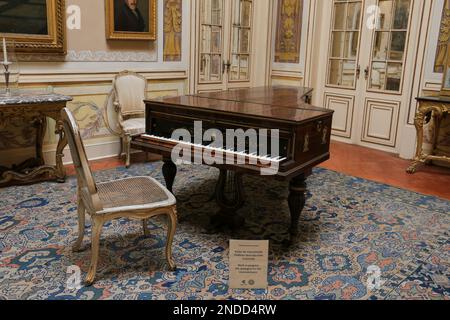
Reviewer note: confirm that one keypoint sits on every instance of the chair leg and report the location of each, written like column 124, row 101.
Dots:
column 81, row 226
column 172, row 224
column 121, row 148
column 128, row 150
column 97, row 225
column 145, row 227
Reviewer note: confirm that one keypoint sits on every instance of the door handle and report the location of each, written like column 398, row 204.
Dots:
column 366, row 73
column 358, row 71
column 226, row 65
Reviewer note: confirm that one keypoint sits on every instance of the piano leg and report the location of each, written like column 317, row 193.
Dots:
column 229, row 201
column 296, row 199
column 169, row 171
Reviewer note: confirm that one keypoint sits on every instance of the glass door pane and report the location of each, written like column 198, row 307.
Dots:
column 241, row 40
column 389, row 45
column 344, row 46
column 211, row 40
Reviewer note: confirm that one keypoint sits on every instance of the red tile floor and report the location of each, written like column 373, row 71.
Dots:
column 355, row 161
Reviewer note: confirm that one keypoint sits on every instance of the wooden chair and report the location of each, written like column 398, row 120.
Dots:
column 125, row 109
column 139, row 198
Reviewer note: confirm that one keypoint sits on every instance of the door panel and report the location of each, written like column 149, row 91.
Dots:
column 386, row 68
column 381, row 122
column 344, row 43
column 241, row 40
column 211, row 41
column 343, row 107
column 225, row 44
column 365, row 68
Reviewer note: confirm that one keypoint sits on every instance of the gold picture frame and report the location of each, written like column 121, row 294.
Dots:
column 445, row 90
column 52, row 39
column 120, row 24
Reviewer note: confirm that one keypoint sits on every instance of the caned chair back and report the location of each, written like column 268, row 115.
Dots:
column 130, row 90
column 86, row 183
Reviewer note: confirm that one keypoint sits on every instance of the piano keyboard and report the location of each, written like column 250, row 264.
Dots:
column 266, row 159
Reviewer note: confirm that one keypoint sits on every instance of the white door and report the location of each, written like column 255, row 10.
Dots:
column 223, row 47
column 368, row 61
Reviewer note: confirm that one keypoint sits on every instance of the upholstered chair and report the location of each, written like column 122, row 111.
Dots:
column 139, row 198
column 125, row 109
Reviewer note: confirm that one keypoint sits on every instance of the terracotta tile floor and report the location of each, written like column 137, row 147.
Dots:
column 355, row 161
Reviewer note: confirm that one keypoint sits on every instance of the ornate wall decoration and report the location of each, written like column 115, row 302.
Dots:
column 94, row 56
column 89, row 117
column 444, row 37
column 289, row 25
column 172, row 30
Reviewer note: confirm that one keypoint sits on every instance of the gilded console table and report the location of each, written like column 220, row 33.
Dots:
column 436, row 107
column 35, row 108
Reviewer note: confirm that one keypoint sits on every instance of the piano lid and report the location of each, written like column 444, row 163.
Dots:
column 279, row 95
column 246, row 109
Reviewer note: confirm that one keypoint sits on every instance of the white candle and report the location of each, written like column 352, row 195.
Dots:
column 5, row 53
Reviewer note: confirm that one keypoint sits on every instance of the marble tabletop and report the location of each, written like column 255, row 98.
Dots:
column 29, row 98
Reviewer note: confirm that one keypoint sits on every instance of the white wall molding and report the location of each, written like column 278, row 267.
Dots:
column 94, row 151
column 287, row 74
column 88, row 77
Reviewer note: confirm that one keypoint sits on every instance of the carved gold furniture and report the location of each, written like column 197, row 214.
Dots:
column 436, row 107
column 139, row 198
column 36, row 108
column 126, row 109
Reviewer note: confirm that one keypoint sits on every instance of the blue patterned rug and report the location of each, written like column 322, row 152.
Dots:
column 348, row 225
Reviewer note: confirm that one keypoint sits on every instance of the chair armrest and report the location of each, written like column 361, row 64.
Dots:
column 117, row 106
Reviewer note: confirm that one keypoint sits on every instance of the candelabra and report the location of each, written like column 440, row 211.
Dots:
column 7, row 74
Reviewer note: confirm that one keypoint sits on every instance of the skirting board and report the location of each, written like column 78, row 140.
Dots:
column 95, row 151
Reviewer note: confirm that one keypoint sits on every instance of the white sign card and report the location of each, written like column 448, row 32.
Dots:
column 249, row 261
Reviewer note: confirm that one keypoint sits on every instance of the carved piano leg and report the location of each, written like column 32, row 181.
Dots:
column 229, row 196
column 169, row 170
column 296, row 199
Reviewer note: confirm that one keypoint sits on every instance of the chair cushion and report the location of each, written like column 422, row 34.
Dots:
column 131, row 94
column 134, row 126
column 134, row 193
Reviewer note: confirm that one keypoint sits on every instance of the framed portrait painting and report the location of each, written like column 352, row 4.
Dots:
column 131, row 19
column 36, row 26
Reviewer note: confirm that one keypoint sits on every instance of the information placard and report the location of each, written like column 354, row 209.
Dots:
column 249, row 262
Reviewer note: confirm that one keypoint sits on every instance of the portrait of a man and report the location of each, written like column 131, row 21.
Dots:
column 128, row 17
column 131, row 19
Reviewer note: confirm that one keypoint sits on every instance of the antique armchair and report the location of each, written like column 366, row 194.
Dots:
column 125, row 109
column 139, row 198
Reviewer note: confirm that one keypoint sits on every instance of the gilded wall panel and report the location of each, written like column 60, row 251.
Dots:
column 288, row 32
column 172, row 30
column 444, row 37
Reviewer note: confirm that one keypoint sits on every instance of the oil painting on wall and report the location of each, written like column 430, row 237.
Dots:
column 131, row 19
column 36, row 26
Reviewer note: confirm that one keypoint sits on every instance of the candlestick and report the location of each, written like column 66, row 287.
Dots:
column 7, row 75
column 5, row 53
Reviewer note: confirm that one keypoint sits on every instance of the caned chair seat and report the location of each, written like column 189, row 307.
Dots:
column 139, row 198
column 133, row 194
column 134, row 126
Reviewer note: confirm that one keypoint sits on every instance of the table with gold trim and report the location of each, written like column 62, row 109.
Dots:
column 436, row 107
column 36, row 108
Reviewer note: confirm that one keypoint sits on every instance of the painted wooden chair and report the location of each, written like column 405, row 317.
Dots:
column 125, row 109
column 139, row 198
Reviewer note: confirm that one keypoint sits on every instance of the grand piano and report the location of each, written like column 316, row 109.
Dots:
column 303, row 135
